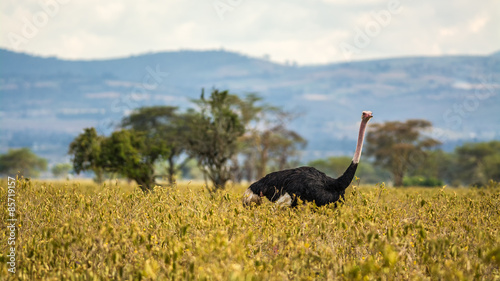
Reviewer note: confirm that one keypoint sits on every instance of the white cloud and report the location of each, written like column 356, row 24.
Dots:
column 109, row 12
column 478, row 24
column 306, row 32
column 448, row 31
column 315, row 97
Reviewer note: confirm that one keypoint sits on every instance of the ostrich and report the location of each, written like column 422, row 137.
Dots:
column 306, row 183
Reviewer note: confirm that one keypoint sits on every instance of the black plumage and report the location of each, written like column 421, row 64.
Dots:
column 306, row 183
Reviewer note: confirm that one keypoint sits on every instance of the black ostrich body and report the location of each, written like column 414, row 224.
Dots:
column 306, row 183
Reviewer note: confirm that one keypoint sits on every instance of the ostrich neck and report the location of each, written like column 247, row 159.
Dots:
column 359, row 146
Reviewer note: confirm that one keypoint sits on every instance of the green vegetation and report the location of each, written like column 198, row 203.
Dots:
column 23, row 162
column 335, row 167
column 399, row 146
column 131, row 153
column 477, row 163
column 86, row 153
column 127, row 153
column 61, row 170
column 472, row 164
column 215, row 130
column 229, row 137
column 165, row 131
column 403, row 150
column 421, row 181
column 85, row 231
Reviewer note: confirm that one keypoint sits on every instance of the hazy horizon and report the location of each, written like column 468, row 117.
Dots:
column 239, row 53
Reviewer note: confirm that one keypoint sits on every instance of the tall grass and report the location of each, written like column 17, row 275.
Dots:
column 82, row 231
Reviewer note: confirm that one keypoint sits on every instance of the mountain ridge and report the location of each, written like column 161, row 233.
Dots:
column 69, row 95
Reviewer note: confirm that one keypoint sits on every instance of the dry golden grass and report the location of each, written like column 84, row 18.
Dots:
column 83, row 231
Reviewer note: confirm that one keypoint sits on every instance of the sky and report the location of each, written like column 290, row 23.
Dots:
column 292, row 31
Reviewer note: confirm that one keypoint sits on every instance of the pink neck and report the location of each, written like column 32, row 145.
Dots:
column 359, row 146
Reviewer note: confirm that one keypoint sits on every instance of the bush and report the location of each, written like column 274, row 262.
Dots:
column 422, row 181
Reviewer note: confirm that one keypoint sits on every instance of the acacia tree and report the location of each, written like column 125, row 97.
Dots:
column 165, row 131
column 399, row 146
column 214, row 131
column 22, row 161
column 86, row 152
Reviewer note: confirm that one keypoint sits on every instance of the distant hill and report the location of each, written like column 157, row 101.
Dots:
column 496, row 54
column 46, row 102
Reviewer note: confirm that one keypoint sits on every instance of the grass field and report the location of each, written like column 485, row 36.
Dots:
column 82, row 231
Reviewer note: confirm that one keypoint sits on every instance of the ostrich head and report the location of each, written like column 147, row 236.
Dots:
column 249, row 197
column 366, row 115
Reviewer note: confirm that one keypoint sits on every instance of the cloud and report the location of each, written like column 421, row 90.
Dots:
column 292, row 30
column 315, row 97
column 478, row 24
column 103, row 95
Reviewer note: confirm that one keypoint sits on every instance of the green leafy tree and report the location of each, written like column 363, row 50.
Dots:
column 477, row 163
column 61, row 169
column 215, row 130
column 23, row 162
column 165, row 131
column 399, row 146
column 86, row 152
column 126, row 152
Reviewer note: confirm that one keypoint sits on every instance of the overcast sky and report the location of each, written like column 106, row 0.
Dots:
column 307, row 32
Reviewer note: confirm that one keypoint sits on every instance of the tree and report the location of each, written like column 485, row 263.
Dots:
column 165, row 132
column 267, row 140
column 284, row 144
column 399, row 146
column 274, row 145
column 86, row 151
column 215, row 129
column 477, row 163
column 126, row 152
column 23, row 162
column 61, row 169
column 252, row 113
column 436, row 164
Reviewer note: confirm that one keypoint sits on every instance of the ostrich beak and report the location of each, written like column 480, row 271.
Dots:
column 249, row 197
